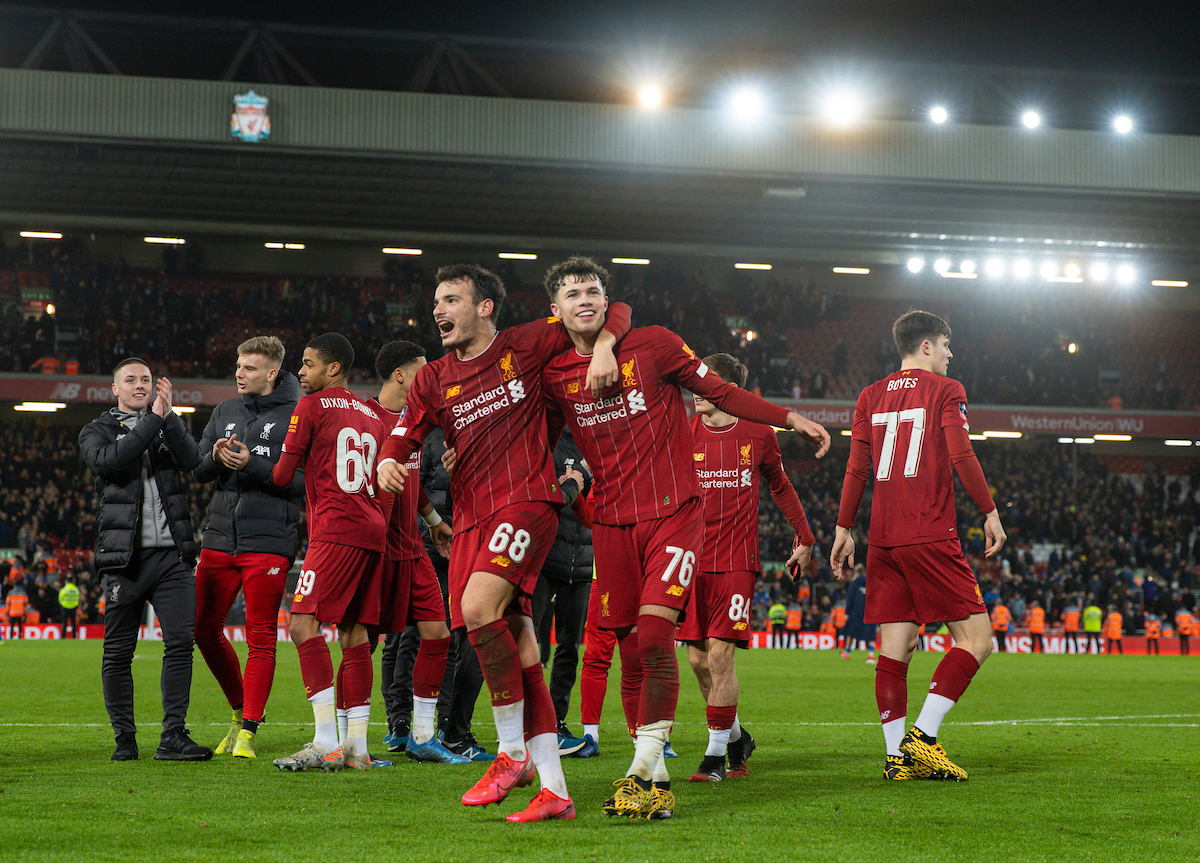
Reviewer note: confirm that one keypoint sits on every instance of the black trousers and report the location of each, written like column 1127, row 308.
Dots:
column 160, row 577
column 779, row 636
column 568, row 601
column 1000, row 640
column 460, row 686
column 1151, row 646
column 1073, row 639
column 70, row 620
column 1093, row 638
column 1036, row 645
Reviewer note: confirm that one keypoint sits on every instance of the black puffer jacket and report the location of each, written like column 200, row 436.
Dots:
column 114, row 453
column 248, row 512
column 571, row 556
column 437, row 485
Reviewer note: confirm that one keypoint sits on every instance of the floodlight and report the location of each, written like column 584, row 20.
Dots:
column 1123, row 124
column 994, row 268
column 842, row 107
column 915, row 265
column 650, row 97
column 1126, row 274
column 1022, row 269
column 1071, row 271
column 1048, row 270
column 747, row 104
column 1099, row 272
column 1031, row 119
column 941, row 265
column 939, row 115
column 967, row 267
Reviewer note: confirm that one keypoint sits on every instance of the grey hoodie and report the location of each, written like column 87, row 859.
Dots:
column 155, row 529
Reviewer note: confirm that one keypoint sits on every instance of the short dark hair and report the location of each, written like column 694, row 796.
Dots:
column 395, row 355
column 728, row 368
column 484, row 282
column 579, row 267
column 334, row 348
column 915, row 326
column 129, row 361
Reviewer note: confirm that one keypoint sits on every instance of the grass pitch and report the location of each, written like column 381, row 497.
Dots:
column 1070, row 757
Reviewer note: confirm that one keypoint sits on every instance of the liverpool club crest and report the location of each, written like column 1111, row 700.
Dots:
column 250, row 121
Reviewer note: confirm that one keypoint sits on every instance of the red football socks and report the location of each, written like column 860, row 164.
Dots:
column 660, row 681
column 430, row 667
column 593, row 686
column 357, row 676
column 540, row 717
column 891, row 688
column 500, row 661
column 340, row 682
column 721, row 718
column 316, row 666
column 953, row 674
column 631, row 679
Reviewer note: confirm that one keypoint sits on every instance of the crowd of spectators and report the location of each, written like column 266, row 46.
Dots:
column 798, row 337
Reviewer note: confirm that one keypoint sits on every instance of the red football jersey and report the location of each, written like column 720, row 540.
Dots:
column 403, row 533
column 901, row 418
column 492, row 411
column 337, row 435
column 636, row 437
column 730, row 462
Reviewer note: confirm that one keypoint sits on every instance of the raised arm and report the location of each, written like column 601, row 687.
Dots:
column 185, row 452
column 689, row 372
column 408, row 435
column 107, row 459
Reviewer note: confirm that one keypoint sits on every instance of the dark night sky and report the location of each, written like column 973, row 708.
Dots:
column 1115, row 36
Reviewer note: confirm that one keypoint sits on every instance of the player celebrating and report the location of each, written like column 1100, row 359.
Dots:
column 730, row 456
column 649, row 525
column 486, row 395
column 410, row 591
column 910, row 428
column 335, row 436
column 250, row 539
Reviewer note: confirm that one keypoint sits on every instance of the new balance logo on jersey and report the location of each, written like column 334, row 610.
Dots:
column 266, row 432
column 636, row 401
column 501, row 560
column 229, row 427
column 273, row 571
column 745, row 477
column 262, row 450
column 451, row 392
column 883, row 717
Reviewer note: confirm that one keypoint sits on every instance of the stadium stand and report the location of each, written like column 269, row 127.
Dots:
column 798, row 339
